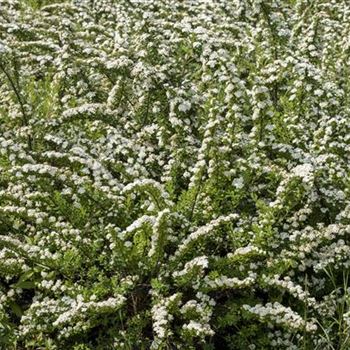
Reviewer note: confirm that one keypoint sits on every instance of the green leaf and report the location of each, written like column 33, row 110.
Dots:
column 16, row 309
column 25, row 285
column 26, row 276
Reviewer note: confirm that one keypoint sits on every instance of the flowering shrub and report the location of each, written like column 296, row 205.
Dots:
column 174, row 174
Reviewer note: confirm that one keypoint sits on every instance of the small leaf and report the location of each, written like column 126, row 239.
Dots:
column 27, row 275
column 25, row 285
column 16, row 309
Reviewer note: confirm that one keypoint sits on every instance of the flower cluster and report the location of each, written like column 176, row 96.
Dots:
column 281, row 315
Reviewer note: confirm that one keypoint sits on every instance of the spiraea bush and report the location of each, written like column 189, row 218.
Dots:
column 174, row 174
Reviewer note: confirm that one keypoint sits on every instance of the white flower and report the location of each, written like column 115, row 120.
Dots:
column 184, row 106
column 304, row 171
column 238, row 182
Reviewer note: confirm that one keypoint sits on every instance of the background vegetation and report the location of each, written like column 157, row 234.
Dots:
column 174, row 174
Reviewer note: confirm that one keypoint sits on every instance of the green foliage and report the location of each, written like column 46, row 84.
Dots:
column 174, row 175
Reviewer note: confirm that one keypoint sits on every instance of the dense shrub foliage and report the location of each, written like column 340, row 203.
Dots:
column 174, row 174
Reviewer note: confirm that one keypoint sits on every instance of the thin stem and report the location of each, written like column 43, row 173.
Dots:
column 195, row 198
column 25, row 119
column 17, row 93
